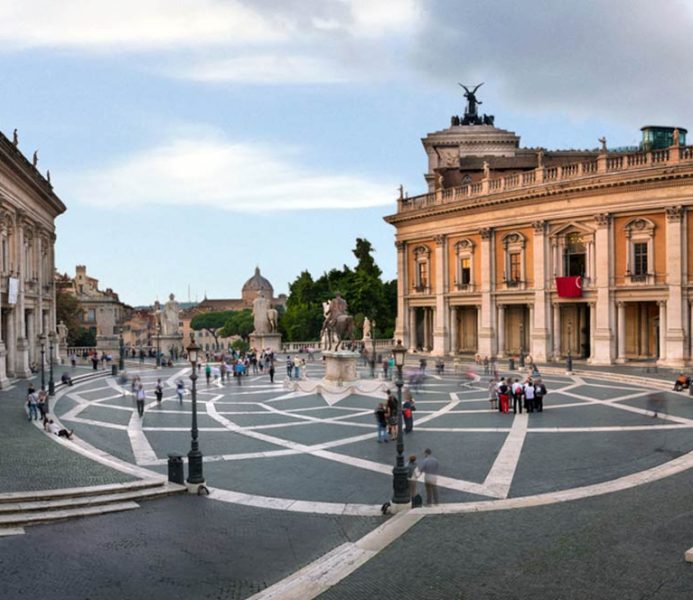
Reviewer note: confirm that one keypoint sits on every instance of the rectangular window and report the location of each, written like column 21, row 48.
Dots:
column 466, row 271
column 515, row 270
column 640, row 258
column 90, row 315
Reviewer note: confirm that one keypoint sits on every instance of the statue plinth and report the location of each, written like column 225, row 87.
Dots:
column 167, row 342
column 266, row 341
column 340, row 366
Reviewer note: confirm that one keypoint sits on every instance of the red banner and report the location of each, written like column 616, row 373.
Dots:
column 569, row 287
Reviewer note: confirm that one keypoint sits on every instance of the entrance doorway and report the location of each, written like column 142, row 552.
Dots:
column 575, row 330
column 467, row 340
column 516, row 329
column 642, row 330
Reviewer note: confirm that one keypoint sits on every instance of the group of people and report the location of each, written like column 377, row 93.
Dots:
column 528, row 394
column 386, row 417
column 37, row 405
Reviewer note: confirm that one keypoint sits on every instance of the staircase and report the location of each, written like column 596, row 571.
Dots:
column 20, row 509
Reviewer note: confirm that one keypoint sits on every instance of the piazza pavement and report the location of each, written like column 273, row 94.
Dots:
column 592, row 498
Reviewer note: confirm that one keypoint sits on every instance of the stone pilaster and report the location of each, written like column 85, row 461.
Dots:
column 402, row 332
column 487, row 345
column 673, row 353
column 604, row 336
column 539, row 319
column 440, row 316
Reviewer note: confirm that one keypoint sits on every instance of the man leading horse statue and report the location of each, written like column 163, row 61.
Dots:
column 338, row 324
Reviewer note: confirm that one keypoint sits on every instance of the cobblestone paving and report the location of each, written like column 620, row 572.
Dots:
column 270, row 452
column 182, row 547
column 32, row 461
column 623, row 546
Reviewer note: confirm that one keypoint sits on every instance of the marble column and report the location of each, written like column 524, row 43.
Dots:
column 487, row 341
column 440, row 329
column 427, row 329
column 621, row 320
column 556, row 333
column 501, row 331
column 412, row 330
column 454, row 331
column 604, row 336
column 673, row 352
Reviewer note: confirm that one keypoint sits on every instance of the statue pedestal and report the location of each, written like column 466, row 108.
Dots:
column 266, row 341
column 340, row 367
column 169, row 342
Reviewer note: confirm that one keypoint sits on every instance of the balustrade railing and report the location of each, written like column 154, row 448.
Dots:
column 543, row 175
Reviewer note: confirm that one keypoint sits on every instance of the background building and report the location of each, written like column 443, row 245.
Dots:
column 250, row 290
column 548, row 252
column 102, row 311
column 28, row 209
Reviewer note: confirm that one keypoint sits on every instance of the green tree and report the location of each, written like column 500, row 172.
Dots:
column 211, row 322
column 239, row 323
column 69, row 311
column 365, row 292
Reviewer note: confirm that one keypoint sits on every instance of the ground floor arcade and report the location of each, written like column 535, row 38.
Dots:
column 637, row 330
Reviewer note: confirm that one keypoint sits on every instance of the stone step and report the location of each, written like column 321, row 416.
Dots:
column 14, row 521
column 65, row 502
column 79, row 492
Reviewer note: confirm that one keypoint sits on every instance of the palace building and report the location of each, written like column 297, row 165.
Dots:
column 28, row 209
column 515, row 250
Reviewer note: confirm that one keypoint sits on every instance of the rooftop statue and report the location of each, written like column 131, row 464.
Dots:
column 472, row 102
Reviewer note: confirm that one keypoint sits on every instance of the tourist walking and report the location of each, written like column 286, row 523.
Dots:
column 180, row 390
column 429, row 467
column 493, row 393
column 529, row 395
column 140, row 396
column 32, row 403
column 289, row 366
column 408, row 408
column 503, row 396
column 381, row 422
column 539, row 393
column 208, row 372
column 392, row 406
column 159, row 391
column 516, row 390
column 411, row 473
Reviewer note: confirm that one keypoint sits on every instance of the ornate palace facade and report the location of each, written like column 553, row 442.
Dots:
column 548, row 252
column 28, row 209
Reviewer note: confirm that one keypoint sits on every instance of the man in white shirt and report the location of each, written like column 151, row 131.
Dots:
column 529, row 395
column 517, row 396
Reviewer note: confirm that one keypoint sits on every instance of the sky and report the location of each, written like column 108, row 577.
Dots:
column 192, row 140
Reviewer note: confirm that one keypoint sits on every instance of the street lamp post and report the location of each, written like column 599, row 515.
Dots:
column 400, row 483
column 121, row 360
column 158, row 344
column 195, row 477
column 522, row 345
column 42, row 341
column 51, row 383
column 373, row 348
column 569, row 359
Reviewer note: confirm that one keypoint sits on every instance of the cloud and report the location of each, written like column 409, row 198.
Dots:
column 275, row 69
column 220, row 174
column 236, row 41
column 628, row 58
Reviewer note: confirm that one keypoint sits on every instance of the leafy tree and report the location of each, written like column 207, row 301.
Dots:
column 84, row 337
column 240, row 323
column 211, row 322
column 69, row 310
column 365, row 292
column 240, row 346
